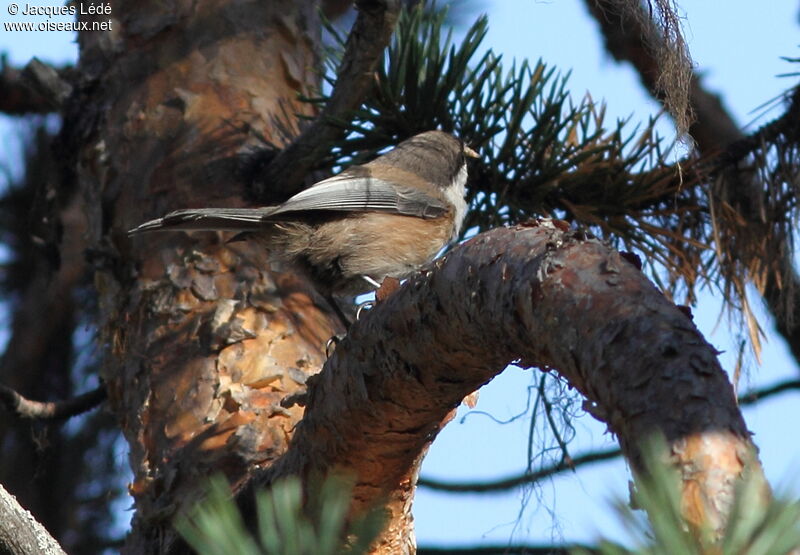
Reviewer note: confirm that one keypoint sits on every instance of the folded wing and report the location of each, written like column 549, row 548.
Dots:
column 342, row 193
column 347, row 193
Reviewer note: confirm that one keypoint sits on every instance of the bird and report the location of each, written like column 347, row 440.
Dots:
column 347, row 233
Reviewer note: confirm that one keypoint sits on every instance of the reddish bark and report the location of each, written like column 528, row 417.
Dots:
column 540, row 296
column 204, row 340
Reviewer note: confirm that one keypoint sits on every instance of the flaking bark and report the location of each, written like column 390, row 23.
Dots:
column 204, row 340
column 543, row 297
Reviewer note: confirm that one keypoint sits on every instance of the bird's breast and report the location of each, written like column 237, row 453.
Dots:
column 381, row 245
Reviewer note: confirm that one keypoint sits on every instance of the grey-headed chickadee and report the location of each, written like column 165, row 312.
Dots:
column 385, row 218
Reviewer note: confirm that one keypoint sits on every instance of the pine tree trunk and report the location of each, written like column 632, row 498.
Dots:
column 204, row 340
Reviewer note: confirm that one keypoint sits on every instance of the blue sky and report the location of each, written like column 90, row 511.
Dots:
column 737, row 48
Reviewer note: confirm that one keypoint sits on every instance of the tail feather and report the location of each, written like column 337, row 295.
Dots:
column 207, row 219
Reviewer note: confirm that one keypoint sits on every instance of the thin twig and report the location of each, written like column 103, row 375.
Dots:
column 510, row 483
column 754, row 397
column 785, row 125
column 52, row 410
column 548, row 411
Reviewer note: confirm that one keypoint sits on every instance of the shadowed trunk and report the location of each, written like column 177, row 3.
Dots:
column 204, row 340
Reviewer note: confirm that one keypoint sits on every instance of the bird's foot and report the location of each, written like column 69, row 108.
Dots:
column 366, row 305
column 330, row 345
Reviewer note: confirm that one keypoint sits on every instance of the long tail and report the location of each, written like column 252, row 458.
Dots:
column 208, row 219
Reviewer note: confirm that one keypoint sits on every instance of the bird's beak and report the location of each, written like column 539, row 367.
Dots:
column 471, row 153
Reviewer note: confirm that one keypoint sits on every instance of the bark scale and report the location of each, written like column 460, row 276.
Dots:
column 204, row 340
column 539, row 296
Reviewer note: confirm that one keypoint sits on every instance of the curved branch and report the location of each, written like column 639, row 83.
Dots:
column 540, row 296
column 365, row 44
column 50, row 410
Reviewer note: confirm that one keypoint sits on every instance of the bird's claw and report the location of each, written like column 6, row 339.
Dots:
column 330, row 345
column 365, row 305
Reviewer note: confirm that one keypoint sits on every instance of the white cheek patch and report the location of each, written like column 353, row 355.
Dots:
column 455, row 195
